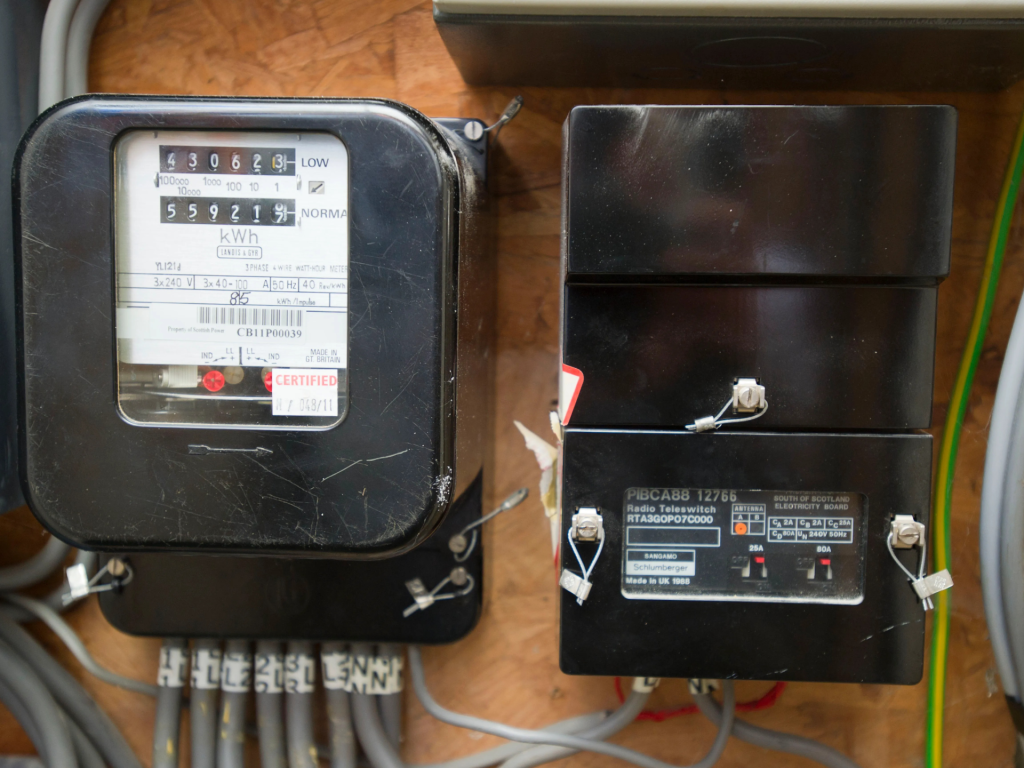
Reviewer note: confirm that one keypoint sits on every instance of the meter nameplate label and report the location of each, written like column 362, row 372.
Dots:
column 232, row 265
column 743, row 545
column 231, row 260
column 305, row 392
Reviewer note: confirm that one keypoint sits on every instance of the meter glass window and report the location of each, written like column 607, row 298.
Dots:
column 231, row 254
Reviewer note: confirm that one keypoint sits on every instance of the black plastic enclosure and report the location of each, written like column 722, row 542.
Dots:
column 765, row 52
column 774, row 193
column 374, row 486
column 798, row 246
column 880, row 640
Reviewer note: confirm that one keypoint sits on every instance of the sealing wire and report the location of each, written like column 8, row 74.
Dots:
column 941, row 543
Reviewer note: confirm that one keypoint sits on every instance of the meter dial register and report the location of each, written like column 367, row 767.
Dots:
column 251, row 326
column 232, row 278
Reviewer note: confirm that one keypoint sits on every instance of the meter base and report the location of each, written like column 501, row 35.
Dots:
column 311, row 599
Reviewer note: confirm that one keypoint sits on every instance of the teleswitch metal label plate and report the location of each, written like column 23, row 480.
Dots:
column 745, row 545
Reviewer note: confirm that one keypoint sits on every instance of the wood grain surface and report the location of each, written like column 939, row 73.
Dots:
column 507, row 669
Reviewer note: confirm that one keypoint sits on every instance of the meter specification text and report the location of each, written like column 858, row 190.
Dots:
column 743, row 545
column 233, row 252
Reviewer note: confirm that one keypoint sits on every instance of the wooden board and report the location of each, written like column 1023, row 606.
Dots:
column 507, row 669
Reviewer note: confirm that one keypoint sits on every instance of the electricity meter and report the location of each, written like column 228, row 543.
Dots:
column 250, row 325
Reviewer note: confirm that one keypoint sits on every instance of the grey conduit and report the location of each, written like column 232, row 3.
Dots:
column 76, row 65
column 776, row 740
column 70, row 638
column 269, row 683
column 391, row 704
column 36, row 568
column 993, row 490
column 525, row 735
column 69, row 693
column 373, row 733
column 53, row 50
column 167, row 724
column 300, row 682
column 206, row 660
column 85, row 750
column 1011, row 535
column 614, row 723
column 339, row 717
column 235, row 681
column 22, row 715
column 55, row 738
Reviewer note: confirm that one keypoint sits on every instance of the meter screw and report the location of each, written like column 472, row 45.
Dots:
column 459, row 576
column 461, row 546
column 748, row 397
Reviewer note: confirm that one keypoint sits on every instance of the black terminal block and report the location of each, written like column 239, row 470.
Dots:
column 709, row 250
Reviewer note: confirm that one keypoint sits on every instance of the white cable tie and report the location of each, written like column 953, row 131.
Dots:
column 575, row 585
column 78, row 581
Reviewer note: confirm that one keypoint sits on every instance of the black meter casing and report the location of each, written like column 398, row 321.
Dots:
column 374, row 482
column 800, row 248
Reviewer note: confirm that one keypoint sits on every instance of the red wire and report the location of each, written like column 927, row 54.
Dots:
column 660, row 715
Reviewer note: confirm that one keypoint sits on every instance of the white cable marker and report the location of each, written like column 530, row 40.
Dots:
column 236, row 673
column 171, row 672
column 269, row 673
column 206, row 668
column 337, row 670
column 299, row 673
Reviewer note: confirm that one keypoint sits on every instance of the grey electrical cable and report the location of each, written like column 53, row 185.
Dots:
column 299, row 667
column 614, row 723
column 373, row 731
column 69, row 637
column 506, row 731
column 339, row 717
column 235, row 680
column 167, row 723
column 53, row 50
column 1011, row 383
column 391, row 704
column 206, row 660
column 71, row 696
column 1011, row 557
column 80, row 33
column 56, row 598
column 86, row 752
column 36, row 568
column 776, row 740
column 10, row 700
column 41, row 707
column 270, row 704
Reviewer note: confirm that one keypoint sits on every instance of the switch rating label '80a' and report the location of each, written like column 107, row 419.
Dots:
column 728, row 544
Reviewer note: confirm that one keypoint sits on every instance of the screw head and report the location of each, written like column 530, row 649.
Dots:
column 459, row 576
column 908, row 535
column 474, row 130
column 116, row 567
column 458, row 543
column 747, row 397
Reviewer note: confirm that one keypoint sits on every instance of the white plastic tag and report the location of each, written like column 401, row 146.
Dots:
column 171, row 672
column 575, row 585
column 304, row 392
column 78, row 581
column 376, row 675
column 929, row 585
column 236, row 673
column 206, row 668
column 299, row 673
column 337, row 670
column 269, row 673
